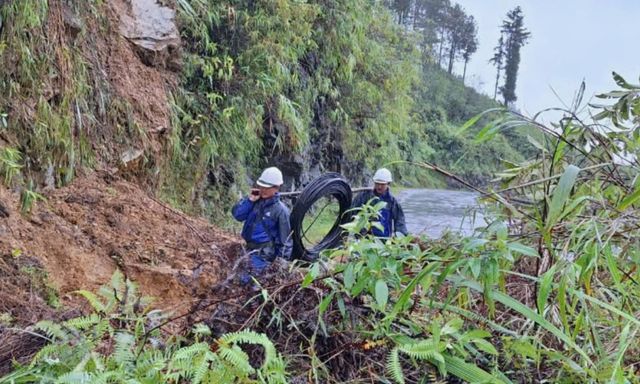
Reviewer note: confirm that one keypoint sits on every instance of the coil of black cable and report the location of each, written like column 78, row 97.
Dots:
column 328, row 184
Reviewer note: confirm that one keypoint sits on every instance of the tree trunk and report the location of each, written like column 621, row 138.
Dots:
column 464, row 71
column 495, row 89
column 452, row 55
column 440, row 52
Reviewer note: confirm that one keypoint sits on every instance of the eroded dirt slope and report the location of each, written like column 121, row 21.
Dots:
column 83, row 232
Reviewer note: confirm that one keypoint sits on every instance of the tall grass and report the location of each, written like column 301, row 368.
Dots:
column 57, row 105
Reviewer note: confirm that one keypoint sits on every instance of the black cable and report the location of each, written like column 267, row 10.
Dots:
column 329, row 184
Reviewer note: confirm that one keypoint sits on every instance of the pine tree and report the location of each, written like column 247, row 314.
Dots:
column 516, row 36
column 498, row 61
column 429, row 18
column 402, row 9
column 456, row 28
column 439, row 22
column 470, row 43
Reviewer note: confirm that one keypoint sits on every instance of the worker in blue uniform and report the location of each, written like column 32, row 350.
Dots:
column 391, row 216
column 266, row 229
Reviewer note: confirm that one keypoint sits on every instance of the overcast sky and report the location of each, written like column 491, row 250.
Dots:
column 571, row 40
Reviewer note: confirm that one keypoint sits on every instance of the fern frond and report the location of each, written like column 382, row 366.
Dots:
column 74, row 378
column 237, row 357
column 123, row 354
column 189, row 352
column 101, row 329
column 201, row 368
column 95, row 302
column 50, row 351
column 251, row 337
column 117, row 281
column 245, row 336
column 393, row 366
column 220, row 374
column 425, row 350
column 98, row 361
column 150, row 363
column 53, row 330
column 275, row 372
column 132, row 291
column 201, row 329
column 82, row 323
column 419, row 350
column 108, row 377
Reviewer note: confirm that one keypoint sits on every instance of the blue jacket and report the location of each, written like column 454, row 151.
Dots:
column 265, row 221
column 391, row 216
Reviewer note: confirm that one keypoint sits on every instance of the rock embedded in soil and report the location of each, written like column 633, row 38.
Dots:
column 151, row 27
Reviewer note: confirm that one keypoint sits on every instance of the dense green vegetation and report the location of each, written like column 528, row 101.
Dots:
column 547, row 292
column 58, row 110
column 324, row 81
column 138, row 353
column 308, row 86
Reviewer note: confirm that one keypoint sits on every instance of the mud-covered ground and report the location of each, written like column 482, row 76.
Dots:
column 79, row 236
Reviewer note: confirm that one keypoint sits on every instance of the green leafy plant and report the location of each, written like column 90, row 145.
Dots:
column 28, row 197
column 394, row 279
column 10, row 164
column 117, row 343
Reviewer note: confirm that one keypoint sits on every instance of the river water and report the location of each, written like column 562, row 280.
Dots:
column 433, row 211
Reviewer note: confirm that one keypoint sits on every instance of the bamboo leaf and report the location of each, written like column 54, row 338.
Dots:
column 527, row 312
column 325, row 303
column 348, row 277
column 313, row 273
column 617, row 376
column 452, row 326
column 545, row 289
column 630, row 199
column 467, row 372
column 622, row 82
column 523, row 249
column 406, row 294
column 602, row 304
column 561, row 194
column 485, row 346
column 472, row 121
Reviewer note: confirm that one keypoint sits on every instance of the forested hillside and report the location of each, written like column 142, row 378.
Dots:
column 226, row 89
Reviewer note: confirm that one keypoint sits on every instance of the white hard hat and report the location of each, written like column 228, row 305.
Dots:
column 382, row 176
column 271, row 177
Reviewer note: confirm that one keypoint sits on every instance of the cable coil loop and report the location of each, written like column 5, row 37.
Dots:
column 328, row 184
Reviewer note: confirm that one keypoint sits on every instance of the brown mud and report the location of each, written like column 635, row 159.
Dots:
column 82, row 233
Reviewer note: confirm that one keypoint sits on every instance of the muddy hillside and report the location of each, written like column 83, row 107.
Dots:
column 86, row 127
column 82, row 233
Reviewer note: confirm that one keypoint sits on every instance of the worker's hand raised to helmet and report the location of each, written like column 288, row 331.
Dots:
column 254, row 194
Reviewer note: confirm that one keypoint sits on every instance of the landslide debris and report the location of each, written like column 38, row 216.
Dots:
column 82, row 233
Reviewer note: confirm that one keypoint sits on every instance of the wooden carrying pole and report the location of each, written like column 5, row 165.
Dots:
column 296, row 193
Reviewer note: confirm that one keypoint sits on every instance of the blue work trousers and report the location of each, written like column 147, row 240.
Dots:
column 257, row 265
